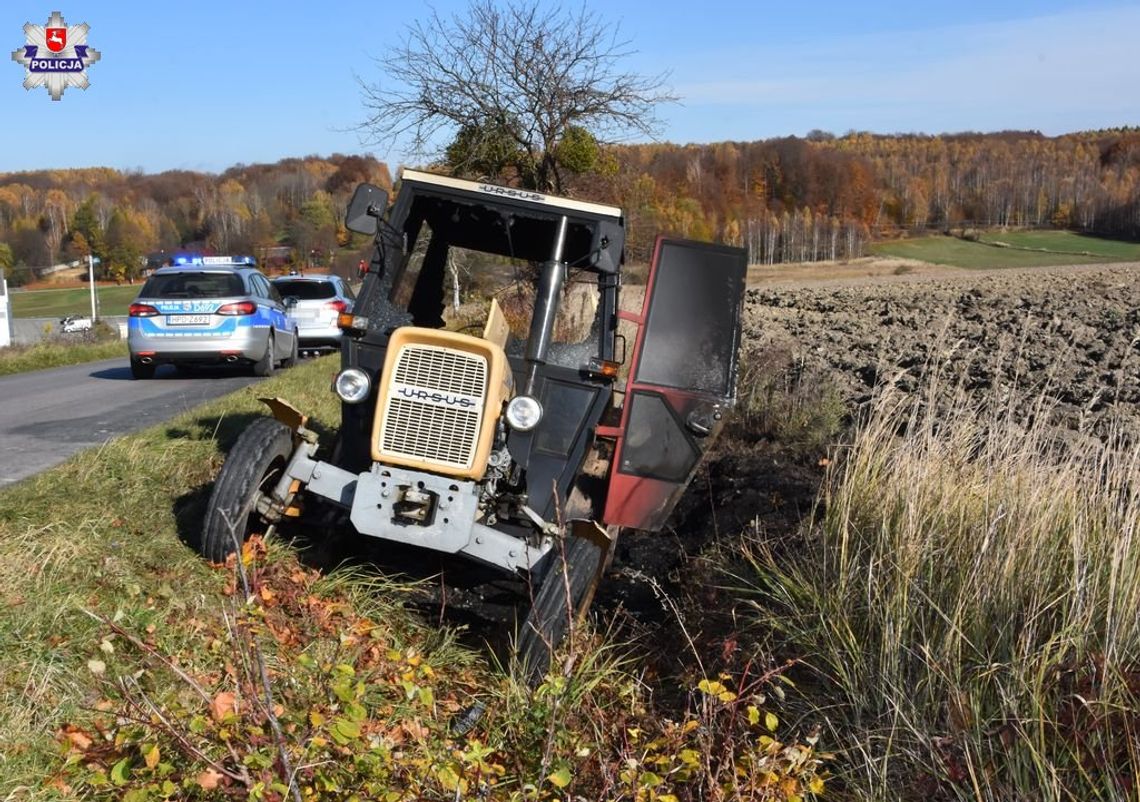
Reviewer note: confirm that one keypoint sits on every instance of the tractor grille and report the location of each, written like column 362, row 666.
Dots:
column 434, row 406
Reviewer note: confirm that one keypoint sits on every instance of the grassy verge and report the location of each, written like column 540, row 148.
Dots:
column 967, row 607
column 1030, row 249
column 73, row 301
column 135, row 671
column 56, row 354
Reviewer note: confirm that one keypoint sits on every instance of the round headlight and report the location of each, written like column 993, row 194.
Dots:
column 524, row 413
column 352, row 385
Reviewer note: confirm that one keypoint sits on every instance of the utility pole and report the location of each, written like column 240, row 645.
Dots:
column 91, row 282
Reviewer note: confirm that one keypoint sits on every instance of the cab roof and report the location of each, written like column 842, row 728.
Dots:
column 508, row 221
column 481, row 191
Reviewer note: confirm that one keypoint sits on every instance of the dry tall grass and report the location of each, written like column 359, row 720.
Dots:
column 968, row 602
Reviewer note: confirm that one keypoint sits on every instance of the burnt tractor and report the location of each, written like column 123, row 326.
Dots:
column 530, row 447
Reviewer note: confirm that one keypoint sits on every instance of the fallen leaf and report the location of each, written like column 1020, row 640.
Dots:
column 560, row 778
column 96, row 666
column 150, row 755
column 79, row 739
column 415, row 729
column 222, row 705
column 121, row 771
column 209, row 780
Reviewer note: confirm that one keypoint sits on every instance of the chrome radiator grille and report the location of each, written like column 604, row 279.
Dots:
column 433, row 407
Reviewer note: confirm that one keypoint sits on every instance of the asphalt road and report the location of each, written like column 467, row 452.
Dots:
column 48, row 415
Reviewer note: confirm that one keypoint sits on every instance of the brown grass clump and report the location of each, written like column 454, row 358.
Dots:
column 967, row 604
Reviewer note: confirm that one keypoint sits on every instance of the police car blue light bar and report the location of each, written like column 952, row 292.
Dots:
column 214, row 260
column 227, row 260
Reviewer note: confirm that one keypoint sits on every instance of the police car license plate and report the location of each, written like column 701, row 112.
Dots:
column 188, row 320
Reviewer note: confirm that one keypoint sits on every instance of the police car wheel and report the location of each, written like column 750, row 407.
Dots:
column 265, row 365
column 141, row 371
column 565, row 593
column 294, row 354
column 252, row 469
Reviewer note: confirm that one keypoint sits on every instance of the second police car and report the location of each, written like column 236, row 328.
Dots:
column 210, row 310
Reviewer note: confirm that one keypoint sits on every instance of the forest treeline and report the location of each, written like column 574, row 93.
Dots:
column 788, row 199
column 825, row 197
column 291, row 210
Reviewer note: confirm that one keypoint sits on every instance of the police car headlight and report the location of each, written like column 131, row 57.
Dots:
column 524, row 413
column 352, row 385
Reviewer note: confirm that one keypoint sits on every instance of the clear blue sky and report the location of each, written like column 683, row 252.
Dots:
column 207, row 84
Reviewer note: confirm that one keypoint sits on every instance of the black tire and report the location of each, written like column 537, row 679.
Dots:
column 141, row 371
column 265, row 365
column 294, row 353
column 577, row 566
column 253, row 465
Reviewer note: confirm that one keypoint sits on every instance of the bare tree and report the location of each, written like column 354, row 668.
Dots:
column 505, row 84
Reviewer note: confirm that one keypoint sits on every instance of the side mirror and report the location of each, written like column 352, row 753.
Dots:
column 367, row 205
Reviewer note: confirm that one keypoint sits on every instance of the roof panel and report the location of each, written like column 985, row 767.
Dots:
column 481, row 190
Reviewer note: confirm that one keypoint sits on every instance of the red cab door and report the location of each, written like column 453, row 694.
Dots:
column 682, row 377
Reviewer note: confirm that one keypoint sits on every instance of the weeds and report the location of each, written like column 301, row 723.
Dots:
column 967, row 602
column 779, row 398
column 364, row 699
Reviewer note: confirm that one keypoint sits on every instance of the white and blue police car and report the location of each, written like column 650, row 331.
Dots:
column 206, row 310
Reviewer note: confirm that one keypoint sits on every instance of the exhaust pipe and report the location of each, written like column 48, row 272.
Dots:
column 545, row 307
column 231, row 358
column 146, row 360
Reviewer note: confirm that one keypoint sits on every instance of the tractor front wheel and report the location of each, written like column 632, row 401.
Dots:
column 251, row 471
column 561, row 601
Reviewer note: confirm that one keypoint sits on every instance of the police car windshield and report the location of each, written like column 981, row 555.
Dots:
column 193, row 285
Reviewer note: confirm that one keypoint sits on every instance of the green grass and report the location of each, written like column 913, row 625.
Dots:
column 100, row 596
column 56, row 354
column 114, row 547
column 1050, row 248
column 73, row 301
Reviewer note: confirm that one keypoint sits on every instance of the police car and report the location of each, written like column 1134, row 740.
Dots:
column 210, row 310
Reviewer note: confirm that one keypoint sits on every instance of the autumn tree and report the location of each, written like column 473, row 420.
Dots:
column 314, row 231
column 129, row 236
column 511, row 84
column 6, row 258
column 87, row 235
